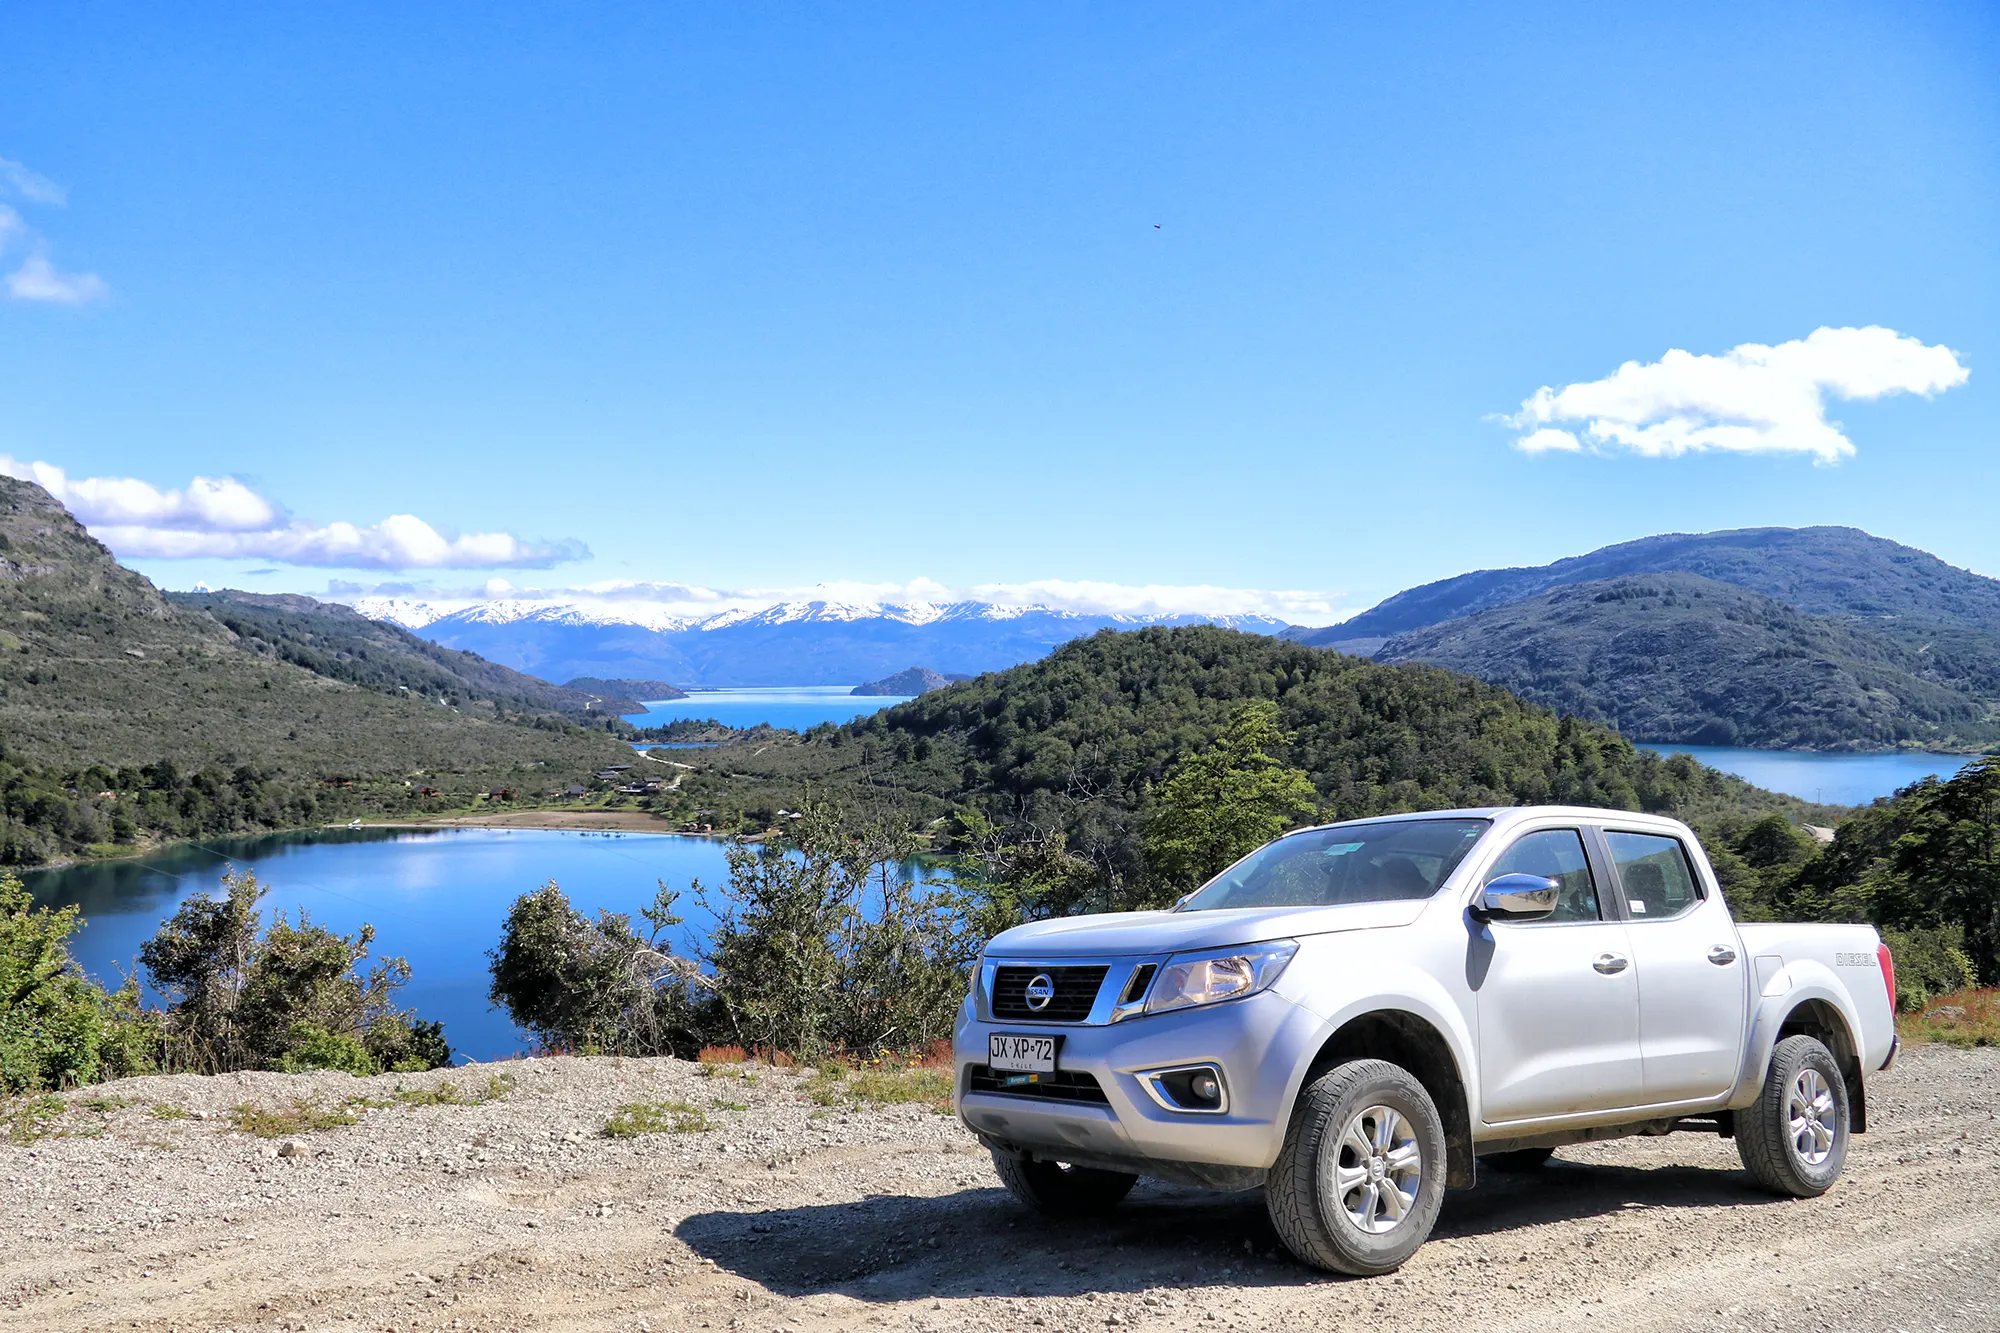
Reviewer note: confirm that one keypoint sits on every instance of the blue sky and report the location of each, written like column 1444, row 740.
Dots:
column 1171, row 296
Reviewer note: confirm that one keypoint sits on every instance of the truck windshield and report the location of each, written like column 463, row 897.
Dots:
column 1347, row 863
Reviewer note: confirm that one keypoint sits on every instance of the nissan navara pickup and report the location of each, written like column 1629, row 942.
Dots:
column 1356, row 1016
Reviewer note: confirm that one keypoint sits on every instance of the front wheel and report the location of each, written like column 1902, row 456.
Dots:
column 1061, row 1190
column 1358, row 1184
column 1794, row 1140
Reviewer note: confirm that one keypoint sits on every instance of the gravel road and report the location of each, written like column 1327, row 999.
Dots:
column 518, row 1213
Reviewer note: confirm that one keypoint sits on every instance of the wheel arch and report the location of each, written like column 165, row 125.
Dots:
column 1411, row 1041
column 1822, row 1019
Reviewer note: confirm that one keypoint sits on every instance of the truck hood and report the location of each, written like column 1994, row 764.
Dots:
column 1126, row 933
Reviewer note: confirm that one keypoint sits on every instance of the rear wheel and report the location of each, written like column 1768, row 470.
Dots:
column 1794, row 1140
column 1357, row 1186
column 1519, row 1161
column 1061, row 1190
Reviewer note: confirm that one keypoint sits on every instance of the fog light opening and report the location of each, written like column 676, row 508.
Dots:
column 1197, row 1088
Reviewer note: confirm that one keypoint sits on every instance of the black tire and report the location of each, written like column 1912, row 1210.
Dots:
column 1768, row 1134
column 1314, row 1219
column 1519, row 1162
column 1059, row 1190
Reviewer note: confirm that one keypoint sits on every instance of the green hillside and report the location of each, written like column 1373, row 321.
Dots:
column 101, row 676
column 340, row 643
column 1076, row 741
column 1681, row 658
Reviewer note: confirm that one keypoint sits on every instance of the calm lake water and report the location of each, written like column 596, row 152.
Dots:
column 1834, row 779
column 436, row 897
column 795, row 706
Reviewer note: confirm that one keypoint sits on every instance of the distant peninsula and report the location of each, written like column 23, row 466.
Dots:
column 626, row 688
column 917, row 680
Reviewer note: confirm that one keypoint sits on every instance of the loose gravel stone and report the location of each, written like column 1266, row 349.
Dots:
column 520, row 1214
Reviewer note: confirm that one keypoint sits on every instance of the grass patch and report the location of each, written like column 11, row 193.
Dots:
column 918, row 1083
column 104, row 1104
column 301, row 1117
column 1964, row 1018
column 883, row 1082
column 636, row 1118
column 168, row 1111
column 31, row 1118
column 448, row 1093
column 743, row 1073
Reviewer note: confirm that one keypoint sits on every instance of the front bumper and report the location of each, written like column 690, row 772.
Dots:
column 1259, row 1043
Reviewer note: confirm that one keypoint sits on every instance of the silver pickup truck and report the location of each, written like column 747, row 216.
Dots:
column 1356, row 1016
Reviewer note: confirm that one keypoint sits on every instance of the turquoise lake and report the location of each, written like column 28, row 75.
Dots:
column 1830, row 779
column 797, row 707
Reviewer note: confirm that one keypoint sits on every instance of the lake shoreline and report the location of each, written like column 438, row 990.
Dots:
column 555, row 821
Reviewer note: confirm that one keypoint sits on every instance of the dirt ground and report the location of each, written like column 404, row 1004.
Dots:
column 519, row 1213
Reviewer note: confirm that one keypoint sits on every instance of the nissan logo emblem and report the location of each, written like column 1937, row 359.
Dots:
column 1041, row 989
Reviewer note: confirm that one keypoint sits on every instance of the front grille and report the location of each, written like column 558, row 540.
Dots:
column 1064, row 1085
column 1075, row 987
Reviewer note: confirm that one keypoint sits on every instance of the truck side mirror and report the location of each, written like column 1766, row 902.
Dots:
column 1517, row 898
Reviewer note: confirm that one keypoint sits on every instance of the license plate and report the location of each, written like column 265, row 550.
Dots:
column 1021, row 1054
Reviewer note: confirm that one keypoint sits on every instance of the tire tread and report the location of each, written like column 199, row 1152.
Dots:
column 1761, row 1139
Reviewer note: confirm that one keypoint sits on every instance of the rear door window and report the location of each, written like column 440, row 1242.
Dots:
column 1654, row 874
column 1556, row 854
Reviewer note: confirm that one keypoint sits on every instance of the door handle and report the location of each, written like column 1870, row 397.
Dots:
column 1722, row 955
column 1610, row 963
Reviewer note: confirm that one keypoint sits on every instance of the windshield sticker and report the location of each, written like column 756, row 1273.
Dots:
column 1638, row 907
column 1339, row 849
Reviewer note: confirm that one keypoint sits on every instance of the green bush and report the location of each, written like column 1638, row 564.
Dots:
column 58, row 1028
column 598, row 986
column 1930, row 961
column 316, row 1048
column 293, row 996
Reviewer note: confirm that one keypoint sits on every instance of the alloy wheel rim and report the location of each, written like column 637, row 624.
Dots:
column 1809, row 1109
column 1375, row 1171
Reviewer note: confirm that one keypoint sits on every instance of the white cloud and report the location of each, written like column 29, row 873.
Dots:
column 30, row 185
column 220, row 517
column 38, row 280
column 1751, row 399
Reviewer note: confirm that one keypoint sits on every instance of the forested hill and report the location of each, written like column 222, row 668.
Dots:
column 1077, row 740
column 1821, row 571
column 99, row 671
column 340, row 643
column 1680, row 658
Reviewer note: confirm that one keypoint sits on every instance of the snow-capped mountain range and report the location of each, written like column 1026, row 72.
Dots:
column 790, row 643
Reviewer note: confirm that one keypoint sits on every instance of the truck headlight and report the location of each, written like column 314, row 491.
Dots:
column 1189, row 979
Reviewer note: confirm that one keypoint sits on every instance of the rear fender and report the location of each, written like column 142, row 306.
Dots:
column 1804, row 996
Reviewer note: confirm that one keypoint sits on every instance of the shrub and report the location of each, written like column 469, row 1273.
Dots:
column 1930, row 961
column 594, row 986
column 310, row 1047
column 58, row 1028
column 291, row 997
column 829, row 946
column 722, row 1055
